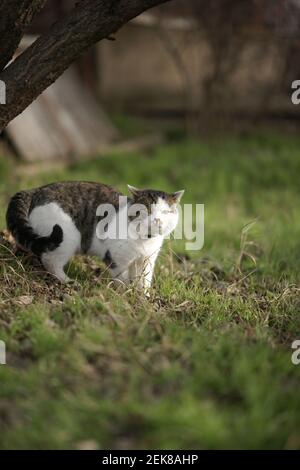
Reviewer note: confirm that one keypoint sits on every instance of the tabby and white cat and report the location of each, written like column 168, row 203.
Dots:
column 60, row 220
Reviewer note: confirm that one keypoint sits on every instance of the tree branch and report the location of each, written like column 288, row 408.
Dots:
column 42, row 63
column 15, row 16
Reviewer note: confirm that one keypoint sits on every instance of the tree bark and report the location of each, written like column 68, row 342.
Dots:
column 15, row 16
column 43, row 62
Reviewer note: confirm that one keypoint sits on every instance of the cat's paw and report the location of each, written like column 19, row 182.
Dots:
column 63, row 279
column 147, row 293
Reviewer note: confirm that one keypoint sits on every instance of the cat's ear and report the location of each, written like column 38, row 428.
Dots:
column 177, row 196
column 134, row 191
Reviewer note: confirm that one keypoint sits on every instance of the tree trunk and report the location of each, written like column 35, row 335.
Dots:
column 43, row 62
column 15, row 16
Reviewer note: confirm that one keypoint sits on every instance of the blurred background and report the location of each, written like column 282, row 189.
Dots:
column 188, row 66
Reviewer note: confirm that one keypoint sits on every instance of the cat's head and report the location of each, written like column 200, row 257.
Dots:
column 157, row 211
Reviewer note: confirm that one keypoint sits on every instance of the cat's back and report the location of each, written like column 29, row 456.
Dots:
column 71, row 195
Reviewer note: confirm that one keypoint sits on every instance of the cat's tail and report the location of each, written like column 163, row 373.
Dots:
column 18, row 224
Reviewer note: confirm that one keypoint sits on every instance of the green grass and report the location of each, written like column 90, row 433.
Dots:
column 206, row 362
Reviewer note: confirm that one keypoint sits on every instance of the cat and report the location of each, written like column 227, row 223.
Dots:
column 59, row 220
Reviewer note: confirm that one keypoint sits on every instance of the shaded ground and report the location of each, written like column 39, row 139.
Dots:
column 206, row 362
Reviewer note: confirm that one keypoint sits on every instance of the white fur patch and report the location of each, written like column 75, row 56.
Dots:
column 42, row 219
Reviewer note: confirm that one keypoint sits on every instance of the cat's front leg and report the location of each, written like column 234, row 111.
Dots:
column 141, row 272
column 148, row 273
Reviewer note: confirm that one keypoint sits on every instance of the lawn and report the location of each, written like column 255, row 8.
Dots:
column 206, row 362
